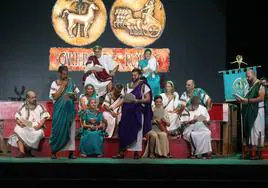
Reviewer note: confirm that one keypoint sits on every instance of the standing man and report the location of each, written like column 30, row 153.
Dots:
column 63, row 94
column 191, row 91
column 99, row 71
column 253, row 115
column 30, row 120
column 136, row 120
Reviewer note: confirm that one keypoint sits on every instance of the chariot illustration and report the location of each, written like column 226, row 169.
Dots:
column 144, row 24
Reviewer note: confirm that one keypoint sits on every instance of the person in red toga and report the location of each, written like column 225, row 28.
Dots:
column 99, row 71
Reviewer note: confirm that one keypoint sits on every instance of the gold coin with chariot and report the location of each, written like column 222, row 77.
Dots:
column 137, row 23
column 79, row 22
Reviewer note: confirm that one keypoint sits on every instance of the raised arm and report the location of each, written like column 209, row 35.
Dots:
column 56, row 95
column 258, row 99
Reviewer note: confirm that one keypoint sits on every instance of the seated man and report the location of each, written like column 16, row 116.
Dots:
column 99, row 71
column 158, row 144
column 29, row 128
column 192, row 91
column 196, row 131
column 112, row 117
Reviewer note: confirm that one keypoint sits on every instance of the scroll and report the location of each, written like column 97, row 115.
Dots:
column 159, row 113
column 27, row 123
column 200, row 118
column 237, row 96
column 129, row 98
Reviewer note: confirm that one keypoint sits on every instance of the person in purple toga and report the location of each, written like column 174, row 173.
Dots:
column 136, row 120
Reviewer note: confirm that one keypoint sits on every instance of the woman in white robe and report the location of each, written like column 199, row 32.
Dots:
column 172, row 105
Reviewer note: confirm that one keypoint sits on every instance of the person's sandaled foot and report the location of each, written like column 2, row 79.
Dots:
column 83, row 155
column 21, row 155
column 71, row 155
column 192, row 157
column 137, row 156
column 119, row 156
column 53, row 156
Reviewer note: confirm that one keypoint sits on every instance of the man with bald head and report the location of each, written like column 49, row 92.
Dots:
column 30, row 120
column 253, row 115
column 191, row 92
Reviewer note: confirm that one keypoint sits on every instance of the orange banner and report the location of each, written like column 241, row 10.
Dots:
column 127, row 58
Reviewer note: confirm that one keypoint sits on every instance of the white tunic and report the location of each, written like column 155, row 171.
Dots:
column 170, row 106
column 259, row 125
column 101, row 87
column 112, row 122
column 70, row 146
column 55, row 87
column 151, row 68
column 29, row 135
column 186, row 98
column 198, row 134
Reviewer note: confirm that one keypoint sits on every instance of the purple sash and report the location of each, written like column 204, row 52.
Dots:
column 131, row 120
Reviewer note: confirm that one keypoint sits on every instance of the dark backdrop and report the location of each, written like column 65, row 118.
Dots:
column 247, row 33
column 195, row 33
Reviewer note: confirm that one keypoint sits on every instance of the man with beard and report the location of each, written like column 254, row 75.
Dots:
column 136, row 120
column 30, row 119
column 253, row 116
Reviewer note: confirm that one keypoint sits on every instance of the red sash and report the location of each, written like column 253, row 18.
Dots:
column 163, row 126
column 102, row 76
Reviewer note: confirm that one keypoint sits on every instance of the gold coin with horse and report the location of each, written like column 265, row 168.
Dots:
column 137, row 23
column 79, row 22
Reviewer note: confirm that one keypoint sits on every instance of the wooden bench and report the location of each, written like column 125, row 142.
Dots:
column 178, row 148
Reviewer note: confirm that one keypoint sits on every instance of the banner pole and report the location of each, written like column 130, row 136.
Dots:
column 240, row 68
column 242, row 131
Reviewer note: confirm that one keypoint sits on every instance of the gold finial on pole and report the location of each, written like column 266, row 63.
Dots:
column 239, row 61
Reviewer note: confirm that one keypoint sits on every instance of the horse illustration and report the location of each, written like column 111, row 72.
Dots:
column 85, row 19
column 144, row 25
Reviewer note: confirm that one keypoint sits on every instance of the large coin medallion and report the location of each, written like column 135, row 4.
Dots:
column 137, row 23
column 79, row 22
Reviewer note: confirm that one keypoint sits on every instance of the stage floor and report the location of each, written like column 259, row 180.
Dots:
column 219, row 171
column 232, row 160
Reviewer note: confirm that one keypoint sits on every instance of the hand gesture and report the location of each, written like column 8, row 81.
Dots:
column 244, row 101
column 192, row 121
column 114, row 114
column 206, row 122
column 36, row 127
column 64, row 83
column 22, row 125
column 71, row 95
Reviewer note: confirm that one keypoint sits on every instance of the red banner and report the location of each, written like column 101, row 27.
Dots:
column 127, row 58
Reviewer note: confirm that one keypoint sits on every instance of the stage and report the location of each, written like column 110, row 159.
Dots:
column 191, row 171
